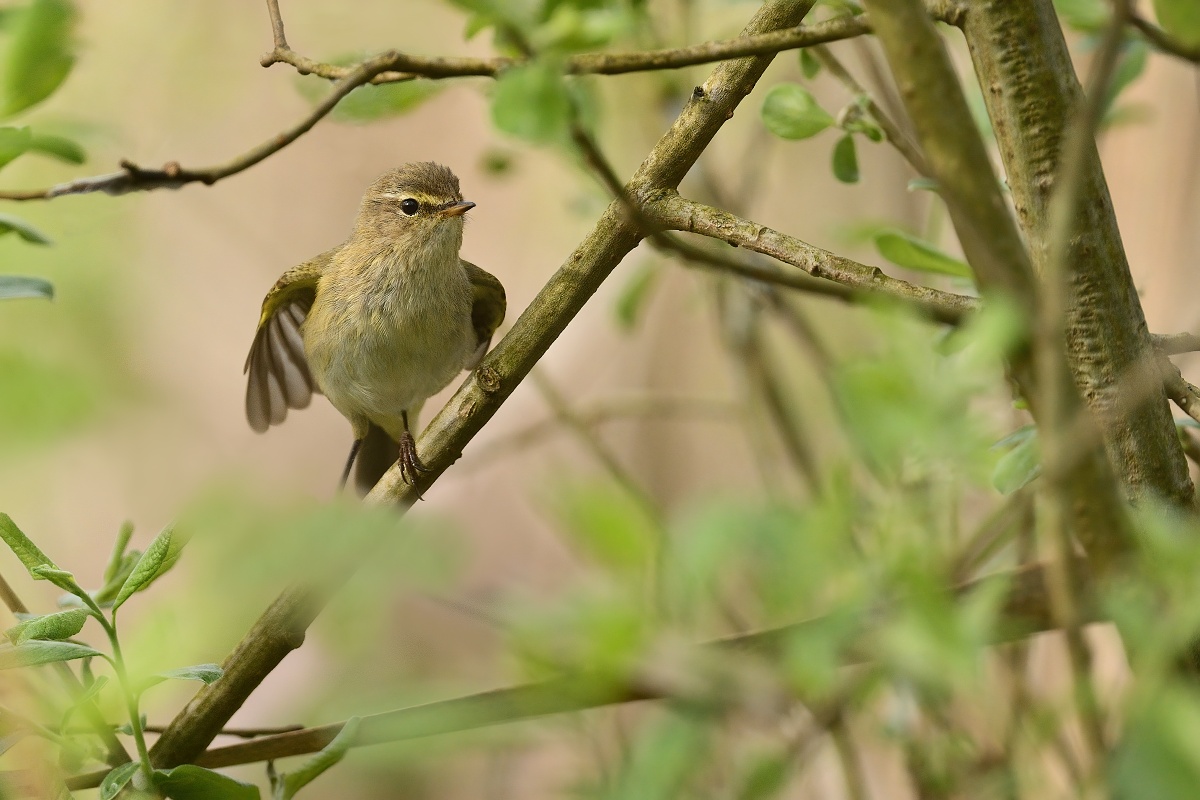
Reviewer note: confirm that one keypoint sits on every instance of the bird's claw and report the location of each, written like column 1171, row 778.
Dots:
column 411, row 468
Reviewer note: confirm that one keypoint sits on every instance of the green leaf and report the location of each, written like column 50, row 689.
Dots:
column 1018, row 466
column 11, row 224
column 1089, row 16
column 764, row 778
column 1180, row 19
column 22, row 546
column 20, row 286
column 1130, row 66
column 13, row 142
column 1158, row 755
column 159, row 557
column 609, row 525
column 205, row 673
column 288, row 784
column 809, row 65
column 845, row 160
column 531, row 103
column 189, row 782
column 908, row 251
column 370, row 103
column 60, row 578
column 791, row 112
column 39, row 56
column 59, row 147
column 60, row 625
column 115, row 781
column 635, row 292
column 34, row 652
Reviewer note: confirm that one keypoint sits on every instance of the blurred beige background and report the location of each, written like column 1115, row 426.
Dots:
column 158, row 296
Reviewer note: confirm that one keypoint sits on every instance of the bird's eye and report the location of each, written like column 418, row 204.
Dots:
column 409, row 206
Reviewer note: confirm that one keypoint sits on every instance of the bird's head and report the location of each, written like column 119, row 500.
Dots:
column 417, row 208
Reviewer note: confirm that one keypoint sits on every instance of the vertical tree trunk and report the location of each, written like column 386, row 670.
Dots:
column 1029, row 84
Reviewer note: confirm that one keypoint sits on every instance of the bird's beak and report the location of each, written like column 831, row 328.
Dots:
column 457, row 209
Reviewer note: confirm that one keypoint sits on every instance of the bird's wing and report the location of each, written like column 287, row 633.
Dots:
column 279, row 377
column 487, row 308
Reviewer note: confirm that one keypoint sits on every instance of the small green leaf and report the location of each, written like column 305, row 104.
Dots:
column 791, row 112
column 20, row 286
column 845, row 160
column 809, row 65
column 11, row 224
column 115, row 781
column 159, row 557
column 13, row 142
column 1018, row 466
column 34, row 652
column 765, row 777
column 59, row 625
column 634, row 294
column 205, row 673
column 286, row 786
column 60, row 578
column 1089, row 16
column 59, row 147
column 369, row 103
column 189, row 782
column 1180, row 19
column 531, row 102
column 92, row 691
column 39, row 56
column 908, row 251
column 22, row 546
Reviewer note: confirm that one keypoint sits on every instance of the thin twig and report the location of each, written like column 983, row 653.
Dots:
column 277, row 25
column 133, row 178
column 895, row 136
column 407, row 67
column 1184, row 394
column 602, row 412
column 1164, row 41
column 673, row 212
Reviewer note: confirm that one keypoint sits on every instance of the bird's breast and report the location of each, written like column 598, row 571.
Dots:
column 384, row 337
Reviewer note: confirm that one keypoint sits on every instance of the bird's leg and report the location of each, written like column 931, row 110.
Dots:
column 411, row 467
column 354, row 448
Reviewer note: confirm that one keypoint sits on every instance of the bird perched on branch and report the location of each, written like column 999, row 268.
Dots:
column 379, row 323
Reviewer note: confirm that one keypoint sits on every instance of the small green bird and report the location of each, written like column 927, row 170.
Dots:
column 379, row 323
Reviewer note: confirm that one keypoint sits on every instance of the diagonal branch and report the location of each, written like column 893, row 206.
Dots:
column 281, row 627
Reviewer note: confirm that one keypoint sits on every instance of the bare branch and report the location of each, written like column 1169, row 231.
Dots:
column 673, row 212
column 407, row 67
column 1173, row 344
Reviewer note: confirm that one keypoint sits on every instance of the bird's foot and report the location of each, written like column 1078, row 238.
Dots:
column 411, row 468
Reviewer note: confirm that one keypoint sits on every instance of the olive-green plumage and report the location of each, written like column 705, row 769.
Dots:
column 380, row 322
